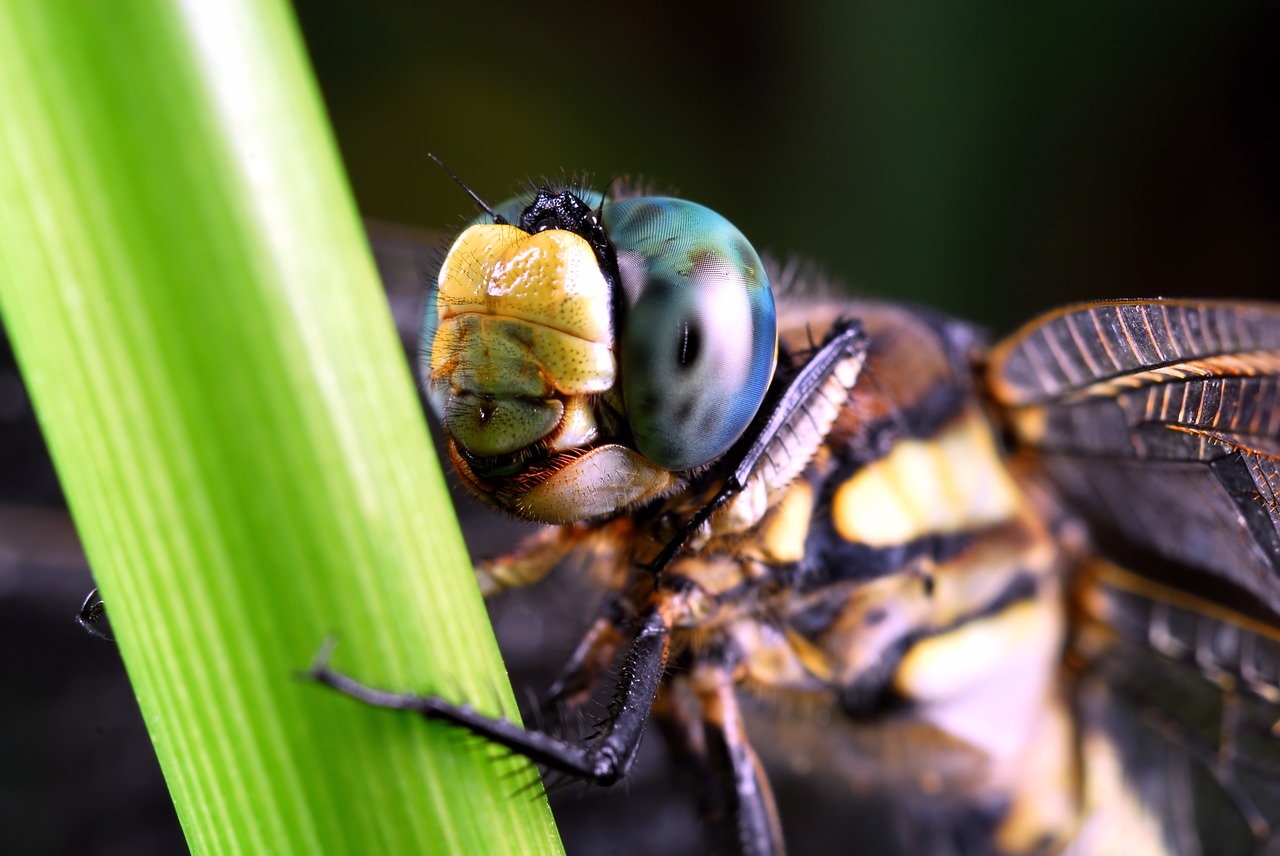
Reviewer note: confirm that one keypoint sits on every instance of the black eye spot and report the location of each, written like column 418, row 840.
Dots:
column 874, row 616
column 683, row 411
column 689, row 345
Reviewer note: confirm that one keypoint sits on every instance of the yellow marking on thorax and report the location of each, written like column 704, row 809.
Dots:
column 952, row 482
column 780, row 659
column 1044, row 810
column 991, row 683
column 785, row 532
column 1027, row 635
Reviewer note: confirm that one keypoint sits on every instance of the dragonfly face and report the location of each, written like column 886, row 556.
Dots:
column 855, row 511
column 582, row 359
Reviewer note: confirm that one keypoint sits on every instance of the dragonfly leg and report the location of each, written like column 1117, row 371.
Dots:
column 92, row 616
column 530, row 560
column 603, row 761
column 592, row 658
column 750, row 809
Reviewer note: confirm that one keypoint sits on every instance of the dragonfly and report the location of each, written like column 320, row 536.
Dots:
column 1014, row 598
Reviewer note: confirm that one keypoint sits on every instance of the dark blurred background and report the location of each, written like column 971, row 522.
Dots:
column 991, row 159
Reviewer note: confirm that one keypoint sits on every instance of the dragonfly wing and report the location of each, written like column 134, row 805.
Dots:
column 1178, row 705
column 1160, row 420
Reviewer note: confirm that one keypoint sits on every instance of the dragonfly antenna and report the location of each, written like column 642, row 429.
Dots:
column 475, row 197
column 604, row 196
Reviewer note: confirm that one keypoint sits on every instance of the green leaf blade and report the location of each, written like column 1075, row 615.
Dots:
column 196, row 314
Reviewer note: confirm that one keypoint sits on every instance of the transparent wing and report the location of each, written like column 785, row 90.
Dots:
column 1160, row 421
column 1178, row 702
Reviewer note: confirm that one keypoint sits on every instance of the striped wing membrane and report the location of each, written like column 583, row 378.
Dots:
column 1161, row 421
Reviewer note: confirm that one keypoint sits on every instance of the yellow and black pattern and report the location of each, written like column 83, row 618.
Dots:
column 887, row 575
column 899, row 561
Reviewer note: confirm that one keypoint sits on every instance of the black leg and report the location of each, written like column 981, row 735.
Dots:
column 603, row 761
column 93, row 615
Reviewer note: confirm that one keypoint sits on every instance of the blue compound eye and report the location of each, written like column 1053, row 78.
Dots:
column 700, row 334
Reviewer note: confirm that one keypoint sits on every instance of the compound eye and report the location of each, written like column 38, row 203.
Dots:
column 700, row 333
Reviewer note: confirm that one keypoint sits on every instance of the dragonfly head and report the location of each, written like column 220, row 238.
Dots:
column 584, row 360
